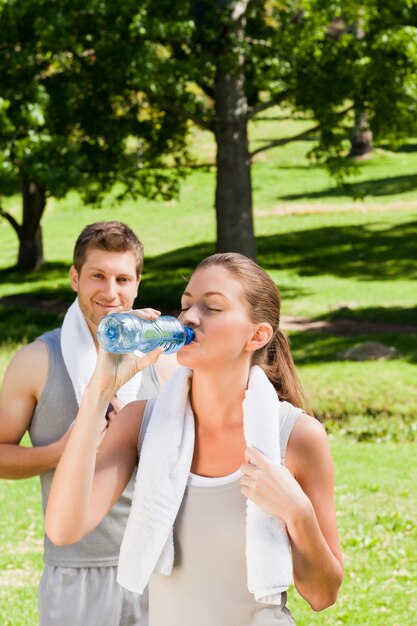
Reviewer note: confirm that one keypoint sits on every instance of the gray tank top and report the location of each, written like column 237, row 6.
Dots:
column 55, row 411
column 208, row 584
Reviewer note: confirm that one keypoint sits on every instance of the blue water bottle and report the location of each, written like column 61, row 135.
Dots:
column 124, row 332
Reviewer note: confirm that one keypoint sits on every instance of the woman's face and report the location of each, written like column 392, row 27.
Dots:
column 213, row 305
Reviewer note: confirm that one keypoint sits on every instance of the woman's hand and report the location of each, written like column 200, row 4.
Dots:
column 114, row 370
column 305, row 504
column 271, row 486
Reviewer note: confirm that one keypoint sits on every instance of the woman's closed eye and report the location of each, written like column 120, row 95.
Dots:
column 208, row 307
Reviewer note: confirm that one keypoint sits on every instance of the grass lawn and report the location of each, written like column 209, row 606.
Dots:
column 332, row 258
column 376, row 502
column 21, row 554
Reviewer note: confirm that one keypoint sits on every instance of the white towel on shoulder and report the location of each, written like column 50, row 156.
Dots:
column 164, row 467
column 268, row 557
column 80, row 356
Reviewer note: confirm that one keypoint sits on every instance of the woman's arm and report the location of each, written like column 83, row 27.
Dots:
column 88, row 481
column 302, row 495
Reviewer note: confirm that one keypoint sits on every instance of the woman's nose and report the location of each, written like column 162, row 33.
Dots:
column 190, row 317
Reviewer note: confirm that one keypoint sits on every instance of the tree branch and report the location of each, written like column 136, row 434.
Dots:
column 9, row 218
column 267, row 105
column 285, row 140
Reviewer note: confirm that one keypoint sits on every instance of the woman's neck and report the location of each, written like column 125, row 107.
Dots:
column 216, row 397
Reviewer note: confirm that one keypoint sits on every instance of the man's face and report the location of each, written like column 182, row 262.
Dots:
column 106, row 283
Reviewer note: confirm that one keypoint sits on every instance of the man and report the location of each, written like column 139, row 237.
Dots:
column 41, row 391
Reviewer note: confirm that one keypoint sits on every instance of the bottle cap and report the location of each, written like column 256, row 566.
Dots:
column 189, row 335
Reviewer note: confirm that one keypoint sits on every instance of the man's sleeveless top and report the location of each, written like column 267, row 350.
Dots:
column 55, row 411
column 208, row 585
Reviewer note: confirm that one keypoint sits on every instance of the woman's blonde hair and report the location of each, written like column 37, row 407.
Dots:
column 264, row 304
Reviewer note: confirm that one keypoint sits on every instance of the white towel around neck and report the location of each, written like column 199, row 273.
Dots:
column 80, row 356
column 164, row 467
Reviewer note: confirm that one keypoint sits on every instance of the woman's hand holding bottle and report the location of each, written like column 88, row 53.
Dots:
column 114, row 370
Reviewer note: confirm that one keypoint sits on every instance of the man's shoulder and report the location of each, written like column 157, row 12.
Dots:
column 27, row 370
column 50, row 336
column 37, row 350
column 32, row 354
column 39, row 347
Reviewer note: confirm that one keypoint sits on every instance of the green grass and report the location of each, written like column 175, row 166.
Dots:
column 376, row 502
column 21, row 553
column 321, row 262
column 332, row 258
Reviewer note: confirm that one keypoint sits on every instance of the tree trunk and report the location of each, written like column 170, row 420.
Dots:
column 361, row 139
column 30, row 233
column 235, row 231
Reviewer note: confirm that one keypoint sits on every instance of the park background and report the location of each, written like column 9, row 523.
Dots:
column 344, row 258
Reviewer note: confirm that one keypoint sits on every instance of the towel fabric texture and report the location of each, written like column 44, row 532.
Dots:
column 164, row 467
column 80, row 356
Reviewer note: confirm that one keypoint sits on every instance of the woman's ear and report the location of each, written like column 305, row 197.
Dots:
column 262, row 335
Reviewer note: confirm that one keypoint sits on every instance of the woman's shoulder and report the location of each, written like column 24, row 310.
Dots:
column 308, row 435
column 308, row 444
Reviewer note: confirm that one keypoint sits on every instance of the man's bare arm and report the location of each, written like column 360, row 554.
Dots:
column 23, row 383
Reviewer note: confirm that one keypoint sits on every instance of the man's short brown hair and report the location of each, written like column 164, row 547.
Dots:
column 111, row 236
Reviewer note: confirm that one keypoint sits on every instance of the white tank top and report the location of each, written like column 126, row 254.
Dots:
column 208, row 585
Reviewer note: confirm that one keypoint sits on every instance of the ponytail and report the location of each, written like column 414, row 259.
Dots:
column 277, row 362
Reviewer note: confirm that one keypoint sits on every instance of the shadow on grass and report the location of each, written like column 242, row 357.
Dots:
column 382, row 187
column 379, row 314
column 50, row 282
column 359, row 252
column 406, row 147
column 312, row 138
column 24, row 324
column 362, row 253
column 166, row 276
column 42, row 305
column 315, row 348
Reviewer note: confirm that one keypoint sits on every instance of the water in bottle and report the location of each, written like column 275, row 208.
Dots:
column 124, row 332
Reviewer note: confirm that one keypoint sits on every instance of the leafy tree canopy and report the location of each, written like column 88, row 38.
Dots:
column 105, row 93
column 67, row 109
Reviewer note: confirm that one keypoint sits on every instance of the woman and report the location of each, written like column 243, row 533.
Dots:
column 233, row 306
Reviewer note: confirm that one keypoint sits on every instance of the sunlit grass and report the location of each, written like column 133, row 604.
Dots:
column 376, row 503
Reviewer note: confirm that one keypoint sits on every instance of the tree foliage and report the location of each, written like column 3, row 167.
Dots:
column 82, row 80
column 68, row 113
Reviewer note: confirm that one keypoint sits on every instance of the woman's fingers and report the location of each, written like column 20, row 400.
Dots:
column 254, row 457
column 142, row 362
